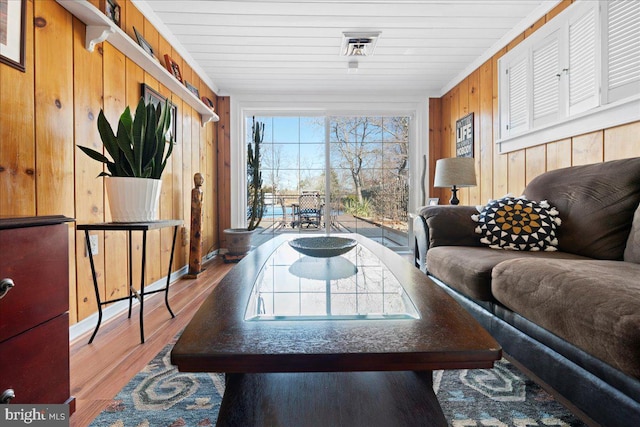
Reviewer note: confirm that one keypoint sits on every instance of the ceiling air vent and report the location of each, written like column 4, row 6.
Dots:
column 359, row 44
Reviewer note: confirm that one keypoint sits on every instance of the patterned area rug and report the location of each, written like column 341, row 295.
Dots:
column 159, row 395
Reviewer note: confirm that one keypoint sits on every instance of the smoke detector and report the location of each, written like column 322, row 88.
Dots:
column 359, row 44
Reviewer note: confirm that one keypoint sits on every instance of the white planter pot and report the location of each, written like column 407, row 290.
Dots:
column 133, row 199
column 238, row 240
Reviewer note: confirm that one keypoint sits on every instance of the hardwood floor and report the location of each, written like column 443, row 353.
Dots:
column 99, row 370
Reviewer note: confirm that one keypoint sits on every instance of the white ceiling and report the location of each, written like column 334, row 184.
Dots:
column 293, row 47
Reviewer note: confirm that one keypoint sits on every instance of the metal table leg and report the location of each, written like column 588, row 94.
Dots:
column 95, row 285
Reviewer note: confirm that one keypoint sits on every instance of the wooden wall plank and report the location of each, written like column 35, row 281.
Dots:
column 535, row 26
column 622, row 142
column 198, row 165
column 17, row 132
column 473, row 94
column 209, row 217
column 435, row 148
column 516, row 172
column 500, row 161
column 179, row 188
column 87, row 67
column 131, row 18
column 485, row 144
column 187, row 161
column 559, row 154
column 454, row 111
column 588, row 148
column 559, row 8
column 224, row 167
column 54, row 109
column 166, row 197
column 515, row 42
column 166, row 206
column 536, row 162
column 115, row 101
column 154, row 270
column 134, row 77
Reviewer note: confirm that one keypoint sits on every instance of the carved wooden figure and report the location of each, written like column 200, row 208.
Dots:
column 195, row 242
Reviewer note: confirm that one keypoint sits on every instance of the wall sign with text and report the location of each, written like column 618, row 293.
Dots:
column 464, row 136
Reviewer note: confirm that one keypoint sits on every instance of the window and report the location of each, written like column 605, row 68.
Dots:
column 357, row 166
column 579, row 63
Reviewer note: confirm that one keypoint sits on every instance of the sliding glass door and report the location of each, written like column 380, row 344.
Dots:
column 354, row 168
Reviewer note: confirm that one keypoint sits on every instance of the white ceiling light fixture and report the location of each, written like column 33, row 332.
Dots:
column 359, row 44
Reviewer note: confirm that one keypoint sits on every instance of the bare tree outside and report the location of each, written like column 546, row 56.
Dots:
column 373, row 152
column 392, row 201
column 350, row 146
column 272, row 163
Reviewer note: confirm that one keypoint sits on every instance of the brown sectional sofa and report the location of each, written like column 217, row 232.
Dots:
column 572, row 317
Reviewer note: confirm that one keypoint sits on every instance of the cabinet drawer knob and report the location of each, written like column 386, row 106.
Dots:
column 7, row 395
column 5, row 286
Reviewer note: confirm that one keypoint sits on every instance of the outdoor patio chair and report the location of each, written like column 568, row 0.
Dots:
column 307, row 211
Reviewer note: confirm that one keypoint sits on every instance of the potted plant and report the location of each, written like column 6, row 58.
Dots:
column 239, row 239
column 139, row 154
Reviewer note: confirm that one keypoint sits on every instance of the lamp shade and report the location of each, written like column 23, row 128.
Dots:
column 455, row 171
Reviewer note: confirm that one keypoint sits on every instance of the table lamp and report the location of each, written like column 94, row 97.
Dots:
column 455, row 172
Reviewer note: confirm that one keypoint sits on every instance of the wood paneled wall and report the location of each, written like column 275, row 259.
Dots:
column 53, row 106
column 499, row 174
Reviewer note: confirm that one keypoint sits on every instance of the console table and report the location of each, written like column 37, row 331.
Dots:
column 130, row 227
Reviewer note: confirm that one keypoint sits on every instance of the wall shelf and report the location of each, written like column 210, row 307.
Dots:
column 101, row 28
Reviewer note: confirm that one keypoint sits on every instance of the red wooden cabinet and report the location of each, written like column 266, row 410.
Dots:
column 34, row 309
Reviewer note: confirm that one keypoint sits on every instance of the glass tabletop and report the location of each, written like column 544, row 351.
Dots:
column 356, row 285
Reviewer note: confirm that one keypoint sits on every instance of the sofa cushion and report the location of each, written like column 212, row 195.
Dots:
column 596, row 204
column 468, row 269
column 632, row 251
column 518, row 224
column 593, row 304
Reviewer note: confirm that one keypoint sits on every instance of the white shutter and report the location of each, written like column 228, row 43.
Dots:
column 583, row 70
column 518, row 100
column 623, row 49
column 546, row 80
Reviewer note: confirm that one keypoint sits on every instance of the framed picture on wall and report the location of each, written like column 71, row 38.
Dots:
column 464, row 136
column 433, row 201
column 152, row 96
column 111, row 8
column 144, row 44
column 194, row 90
column 208, row 102
column 12, row 28
column 173, row 67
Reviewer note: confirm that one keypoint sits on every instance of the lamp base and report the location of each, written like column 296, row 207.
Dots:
column 454, row 196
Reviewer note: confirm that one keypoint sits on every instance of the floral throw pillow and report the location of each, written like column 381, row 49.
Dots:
column 518, row 224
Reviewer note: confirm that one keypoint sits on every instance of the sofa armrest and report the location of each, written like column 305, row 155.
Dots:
column 443, row 225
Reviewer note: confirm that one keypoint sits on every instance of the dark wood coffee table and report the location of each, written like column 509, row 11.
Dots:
column 361, row 359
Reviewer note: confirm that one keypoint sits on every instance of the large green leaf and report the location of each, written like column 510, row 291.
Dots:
column 150, row 141
column 94, row 154
column 127, row 155
column 139, row 134
column 106, row 134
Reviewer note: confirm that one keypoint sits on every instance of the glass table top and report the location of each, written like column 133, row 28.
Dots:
column 356, row 285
